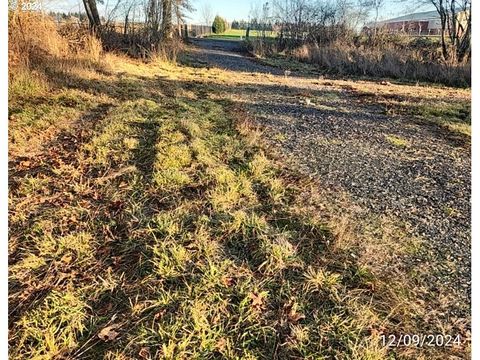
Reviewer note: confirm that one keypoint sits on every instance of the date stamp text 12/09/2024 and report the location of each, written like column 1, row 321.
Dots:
column 420, row 340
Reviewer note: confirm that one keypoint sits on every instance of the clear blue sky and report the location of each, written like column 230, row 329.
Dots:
column 231, row 9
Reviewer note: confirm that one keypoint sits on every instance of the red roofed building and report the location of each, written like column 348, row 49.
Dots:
column 424, row 23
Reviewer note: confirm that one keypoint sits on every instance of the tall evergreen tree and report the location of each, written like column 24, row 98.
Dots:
column 219, row 25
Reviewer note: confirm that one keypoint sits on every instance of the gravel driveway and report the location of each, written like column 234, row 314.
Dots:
column 413, row 171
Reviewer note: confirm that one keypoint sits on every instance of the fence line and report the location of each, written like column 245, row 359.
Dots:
column 190, row 30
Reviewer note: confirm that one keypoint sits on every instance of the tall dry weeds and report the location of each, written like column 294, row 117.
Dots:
column 36, row 44
column 392, row 56
column 385, row 61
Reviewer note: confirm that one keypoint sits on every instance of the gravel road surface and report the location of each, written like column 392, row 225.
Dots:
column 422, row 180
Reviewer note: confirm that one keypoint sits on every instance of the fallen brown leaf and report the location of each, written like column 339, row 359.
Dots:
column 66, row 259
column 159, row 314
column 295, row 317
column 257, row 300
column 108, row 333
column 221, row 344
column 228, row 281
column 145, row 353
column 290, row 309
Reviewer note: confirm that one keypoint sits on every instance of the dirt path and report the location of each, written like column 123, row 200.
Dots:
column 414, row 172
column 230, row 55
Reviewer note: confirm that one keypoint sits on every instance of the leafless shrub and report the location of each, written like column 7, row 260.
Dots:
column 323, row 33
column 37, row 47
column 385, row 61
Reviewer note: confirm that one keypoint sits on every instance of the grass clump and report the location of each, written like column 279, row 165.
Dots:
column 397, row 141
column 454, row 116
column 53, row 329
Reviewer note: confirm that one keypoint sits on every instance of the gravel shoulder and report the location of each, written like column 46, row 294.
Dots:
column 412, row 171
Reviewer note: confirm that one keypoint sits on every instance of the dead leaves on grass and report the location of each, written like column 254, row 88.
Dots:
column 290, row 310
column 158, row 315
column 145, row 353
column 109, row 333
column 228, row 281
column 257, row 300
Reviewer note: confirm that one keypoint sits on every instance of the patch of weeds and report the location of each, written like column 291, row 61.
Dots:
column 322, row 281
column 276, row 189
column 171, row 179
column 52, row 329
column 453, row 115
column 233, row 189
column 260, row 167
column 79, row 245
column 330, row 95
column 359, row 276
column 279, row 137
column 34, row 184
column 288, row 63
column 397, row 141
column 25, row 83
column 35, row 121
column 174, row 157
column 170, row 259
column 132, row 123
column 279, row 252
column 451, row 212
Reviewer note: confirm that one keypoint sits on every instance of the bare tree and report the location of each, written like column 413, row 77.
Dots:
column 167, row 24
column 318, row 21
column 181, row 8
column 171, row 9
column 112, row 13
column 456, row 26
column 376, row 6
column 207, row 14
column 92, row 14
column 456, row 22
column 153, row 19
column 128, row 7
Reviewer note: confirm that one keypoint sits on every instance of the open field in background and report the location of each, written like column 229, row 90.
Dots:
column 238, row 34
column 150, row 218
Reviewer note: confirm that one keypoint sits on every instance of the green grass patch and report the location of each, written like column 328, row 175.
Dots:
column 454, row 116
column 238, row 34
column 397, row 141
column 288, row 63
